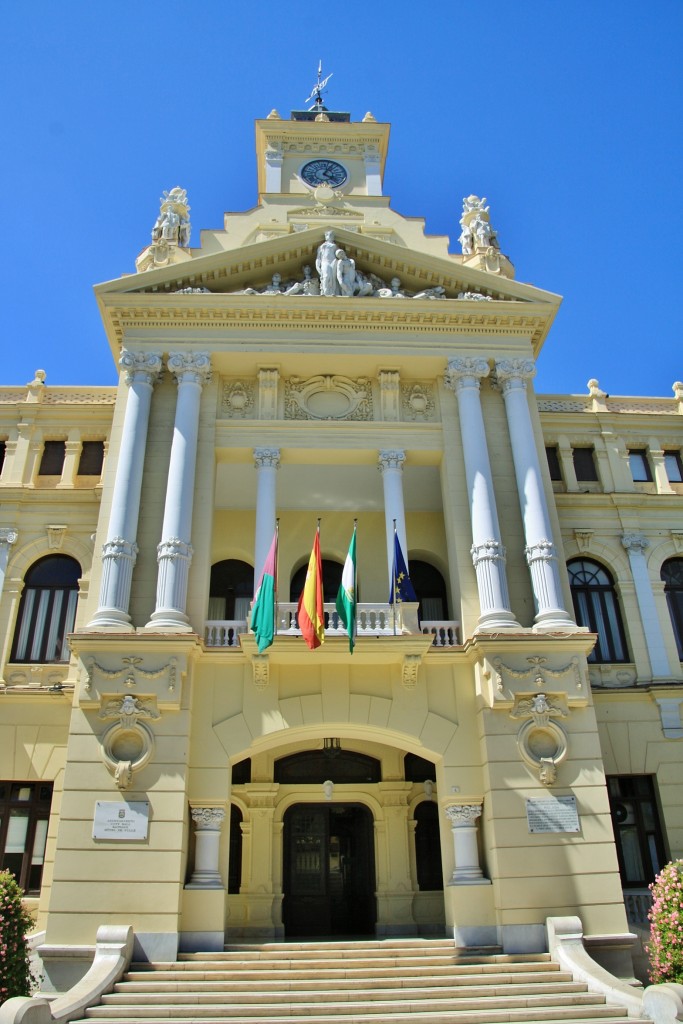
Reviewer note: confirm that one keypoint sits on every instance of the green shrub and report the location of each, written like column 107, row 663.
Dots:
column 16, row 977
column 666, row 925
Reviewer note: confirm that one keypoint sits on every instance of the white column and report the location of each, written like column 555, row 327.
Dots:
column 391, row 468
column 488, row 554
column 463, row 819
column 8, row 537
column 267, row 463
column 636, row 544
column 208, row 822
column 373, row 171
column 512, row 375
column 174, row 554
column 120, row 549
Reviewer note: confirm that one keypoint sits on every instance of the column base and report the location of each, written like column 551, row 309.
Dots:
column 468, row 879
column 111, row 619
column 554, row 620
column 493, row 621
column 169, row 620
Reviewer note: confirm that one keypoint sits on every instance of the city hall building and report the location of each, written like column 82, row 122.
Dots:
column 504, row 748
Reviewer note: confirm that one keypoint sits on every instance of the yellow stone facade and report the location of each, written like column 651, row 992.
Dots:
column 238, row 402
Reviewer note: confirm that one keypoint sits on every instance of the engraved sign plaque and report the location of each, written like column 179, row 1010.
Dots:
column 557, row 814
column 117, row 821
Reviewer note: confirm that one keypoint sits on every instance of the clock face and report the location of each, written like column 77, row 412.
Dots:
column 323, row 172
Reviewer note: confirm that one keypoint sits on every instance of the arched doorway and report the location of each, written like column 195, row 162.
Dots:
column 329, row 870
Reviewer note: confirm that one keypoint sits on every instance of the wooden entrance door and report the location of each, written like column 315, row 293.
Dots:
column 329, row 870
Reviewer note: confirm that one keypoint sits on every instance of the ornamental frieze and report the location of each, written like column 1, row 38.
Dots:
column 417, row 402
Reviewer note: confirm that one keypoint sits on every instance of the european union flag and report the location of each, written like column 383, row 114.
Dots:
column 401, row 587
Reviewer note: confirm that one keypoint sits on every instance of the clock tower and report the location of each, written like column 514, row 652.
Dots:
column 322, row 154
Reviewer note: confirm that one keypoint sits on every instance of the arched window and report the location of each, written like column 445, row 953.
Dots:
column 596, row 607
column 430, row 588
column 332, row 574
column 47, row 610
column 428, row 847
column 672, row 577
column 230, row 591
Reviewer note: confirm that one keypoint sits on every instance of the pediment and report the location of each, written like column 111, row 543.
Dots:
column 236, row 286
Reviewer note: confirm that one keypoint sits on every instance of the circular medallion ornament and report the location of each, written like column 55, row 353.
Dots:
column 323, row 172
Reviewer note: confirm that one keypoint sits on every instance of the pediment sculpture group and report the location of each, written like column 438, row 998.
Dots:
column 338, row 275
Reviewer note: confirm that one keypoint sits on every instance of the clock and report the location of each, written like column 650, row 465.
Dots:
column 323, row 172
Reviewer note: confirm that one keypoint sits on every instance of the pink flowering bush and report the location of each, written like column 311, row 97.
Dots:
column 16, row 978
column 666, row 925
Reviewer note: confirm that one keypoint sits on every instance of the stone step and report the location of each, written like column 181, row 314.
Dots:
column 233, row 984
column 262, row 1008
column 326, row 958
column 524, row 1015
column 182, row 997
column 204, row 971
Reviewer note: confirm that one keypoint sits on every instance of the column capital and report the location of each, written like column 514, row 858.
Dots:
column 267, row 457
column 635, row 542
column 208, row 817
column 514, row 373
column 462, row 814
column 8, row 536
column 391, row 459
column 194, row 367
column 489, row 551
column 140, row 366
column 465, row 373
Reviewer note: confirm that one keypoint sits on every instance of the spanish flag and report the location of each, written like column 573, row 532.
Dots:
column 310, row 611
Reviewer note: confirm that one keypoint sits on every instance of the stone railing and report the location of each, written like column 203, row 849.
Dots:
column 638, row 903
column 374, row 619
column 446, row 632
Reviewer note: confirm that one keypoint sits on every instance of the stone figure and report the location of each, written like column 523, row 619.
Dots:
column 309, row 286
column 438, row 292
column 363, row 286
column 275, row 287
column 346, row 273
column 326, row 265
column 172, row 226
column 466, row 241
column 482, row 231
column 394, row 292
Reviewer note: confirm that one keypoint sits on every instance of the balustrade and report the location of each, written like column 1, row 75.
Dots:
column 374, row 619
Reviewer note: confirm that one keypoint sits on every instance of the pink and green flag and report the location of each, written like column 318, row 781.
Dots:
column 262, row 621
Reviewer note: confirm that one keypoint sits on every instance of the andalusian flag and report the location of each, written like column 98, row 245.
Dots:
column 310, row 610
column 263, row 609
column 347, row 597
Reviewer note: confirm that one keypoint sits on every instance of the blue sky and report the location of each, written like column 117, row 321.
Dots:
column 566, row 115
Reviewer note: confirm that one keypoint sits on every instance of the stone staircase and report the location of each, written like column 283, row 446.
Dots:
column 415, row 981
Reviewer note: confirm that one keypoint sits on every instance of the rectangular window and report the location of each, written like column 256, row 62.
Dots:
column 52, row 461
column 92, row 457
column 3, row 447
column 584, row 464
column 553, row 462
column 637, row 830
column 24, row 814
column 640, row 465
column 674, row 467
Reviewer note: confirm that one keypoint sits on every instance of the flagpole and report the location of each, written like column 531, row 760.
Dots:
column 393, row 577
column 277, row 571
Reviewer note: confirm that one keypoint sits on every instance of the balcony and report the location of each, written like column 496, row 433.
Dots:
column 374, row 620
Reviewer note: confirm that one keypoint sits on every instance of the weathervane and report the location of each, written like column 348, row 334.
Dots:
column 317, row 90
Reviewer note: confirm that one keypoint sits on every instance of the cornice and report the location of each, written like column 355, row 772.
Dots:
column 446, row 317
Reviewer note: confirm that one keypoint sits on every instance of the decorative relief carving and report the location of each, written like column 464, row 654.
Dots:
column 208, row 817
column 489, row 551
column 539, row 670
column 260, row 667
column 411, row 666
column 238, row 399
column 417, row 401
column 542, row 743
column 132, row 667
column 55, row 536
column 127, row 745
column 328, row 397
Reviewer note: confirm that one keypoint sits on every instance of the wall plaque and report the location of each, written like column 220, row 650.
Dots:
column 118, row 821
column 557, row 814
